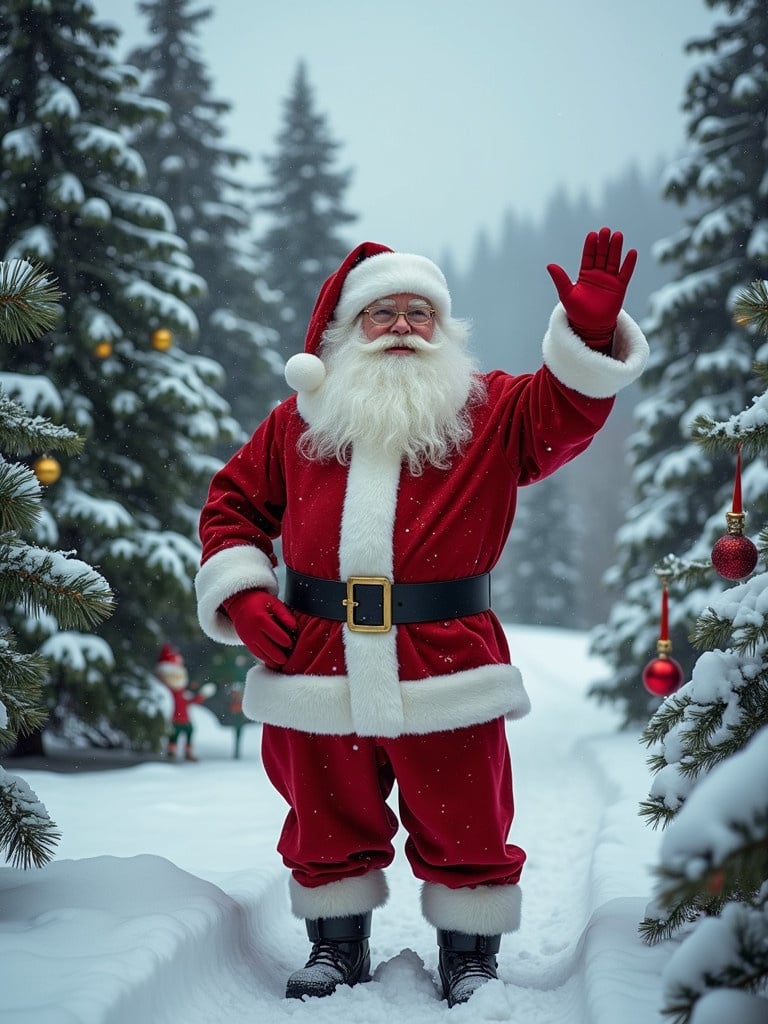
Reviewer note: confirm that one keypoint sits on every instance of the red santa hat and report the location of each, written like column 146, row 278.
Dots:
column 170, row 667
column 369, row 272
column 169, row 656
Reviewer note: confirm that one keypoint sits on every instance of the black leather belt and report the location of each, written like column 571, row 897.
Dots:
column 371, row 604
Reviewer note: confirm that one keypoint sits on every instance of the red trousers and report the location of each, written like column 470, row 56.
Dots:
column 455, row 801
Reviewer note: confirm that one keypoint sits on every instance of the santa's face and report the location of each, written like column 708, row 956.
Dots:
column 402, row 387
column 400, row 315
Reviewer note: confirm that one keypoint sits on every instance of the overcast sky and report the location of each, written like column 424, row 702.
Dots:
column 451, row 112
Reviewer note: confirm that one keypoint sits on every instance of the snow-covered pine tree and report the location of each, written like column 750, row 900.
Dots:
column 709, row 745
column 191, row 169
column 701, row 361
column 31, row 577
column 71, row 196
column 304, row 205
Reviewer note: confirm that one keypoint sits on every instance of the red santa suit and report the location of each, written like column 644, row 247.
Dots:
column 409, row 697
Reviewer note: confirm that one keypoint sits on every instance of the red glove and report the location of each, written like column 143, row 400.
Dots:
column 592, row 304
column 264, row 624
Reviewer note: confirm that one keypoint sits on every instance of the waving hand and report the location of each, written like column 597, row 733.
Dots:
column 593, row 302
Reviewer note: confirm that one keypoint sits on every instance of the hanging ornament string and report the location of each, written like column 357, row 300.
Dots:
column 663, row 675
column 734, row 556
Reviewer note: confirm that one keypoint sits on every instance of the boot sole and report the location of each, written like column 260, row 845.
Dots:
column 306, row 991
column 444, row 980
column 298, row 990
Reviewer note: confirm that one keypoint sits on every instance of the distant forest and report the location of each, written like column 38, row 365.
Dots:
column 508, row 296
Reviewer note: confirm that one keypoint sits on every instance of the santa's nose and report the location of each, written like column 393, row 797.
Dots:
column 401, row 325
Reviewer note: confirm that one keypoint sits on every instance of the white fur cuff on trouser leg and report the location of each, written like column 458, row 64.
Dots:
column 482, row 910
column 344, row 898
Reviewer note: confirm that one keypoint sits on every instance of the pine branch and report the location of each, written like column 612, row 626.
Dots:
column 760, row 370
column 70, row 590
column 656, row 762
column 677, row 570
column 718, row 880
column 27, row 833
column 658, row 929
column 751, row 307
column 19, row 500
column 21, row 679
column 711, row 631
column 739, row 963
column 656, row 812
column 668, row 715
column 717, row 436
column 21, row 433
column 680, row 1007
column 28, row 301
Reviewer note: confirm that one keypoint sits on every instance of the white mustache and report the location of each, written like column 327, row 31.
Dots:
column 387, row 341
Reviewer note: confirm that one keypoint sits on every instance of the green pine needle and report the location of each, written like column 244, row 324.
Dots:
column 27, row 834
column 29, row 300
column 751, row 307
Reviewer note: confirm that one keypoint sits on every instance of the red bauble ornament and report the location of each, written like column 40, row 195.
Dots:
column 734, row 556
column 662, row 676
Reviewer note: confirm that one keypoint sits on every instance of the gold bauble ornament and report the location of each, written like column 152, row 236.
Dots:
column 47, row 469
column 162, row 339
column 102, row 349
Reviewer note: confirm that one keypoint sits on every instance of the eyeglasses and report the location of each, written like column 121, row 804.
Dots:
column 385, row 316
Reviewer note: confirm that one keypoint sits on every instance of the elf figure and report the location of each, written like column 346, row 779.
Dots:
column 171, row 670
column 391, row 479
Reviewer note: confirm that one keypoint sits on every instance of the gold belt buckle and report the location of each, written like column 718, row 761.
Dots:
column 350, row 603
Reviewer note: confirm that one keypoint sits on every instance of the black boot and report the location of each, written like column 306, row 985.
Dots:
column 339, row 956
column 466, row 962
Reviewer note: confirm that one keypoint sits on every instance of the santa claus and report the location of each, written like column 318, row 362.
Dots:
column 391, row 479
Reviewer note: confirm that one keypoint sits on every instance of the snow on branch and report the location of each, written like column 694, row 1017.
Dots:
column 27, row 833
column 21, row 433
column 68, row 588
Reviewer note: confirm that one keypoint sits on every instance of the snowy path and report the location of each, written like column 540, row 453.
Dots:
column 214, row 946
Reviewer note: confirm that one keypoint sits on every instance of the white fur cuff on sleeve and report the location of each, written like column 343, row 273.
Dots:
column 225, row 574
column 588, row 371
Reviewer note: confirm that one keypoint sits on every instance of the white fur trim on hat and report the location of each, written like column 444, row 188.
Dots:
column 389, row 273
column 304, row 372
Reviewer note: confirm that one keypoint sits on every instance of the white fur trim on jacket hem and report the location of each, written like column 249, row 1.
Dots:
column 234, row 569
column 482, row 910
column 344, row 898
column 588, row 371
column 321, row 704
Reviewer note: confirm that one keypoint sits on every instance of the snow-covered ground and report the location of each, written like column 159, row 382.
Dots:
column 167, row 903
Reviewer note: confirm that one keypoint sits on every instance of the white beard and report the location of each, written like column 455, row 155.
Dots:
column 415, row 406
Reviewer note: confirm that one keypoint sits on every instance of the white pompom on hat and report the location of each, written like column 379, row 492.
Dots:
column 369, row 272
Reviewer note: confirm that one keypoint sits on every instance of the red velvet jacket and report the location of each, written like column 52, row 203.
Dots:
column 374, row 518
